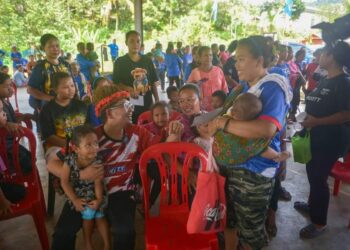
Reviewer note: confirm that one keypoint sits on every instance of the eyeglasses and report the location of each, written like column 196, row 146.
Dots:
column 187, row 100
column 126, row 105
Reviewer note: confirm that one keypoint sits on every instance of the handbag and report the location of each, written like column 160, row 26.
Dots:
column 302, row 147
column 208, row 211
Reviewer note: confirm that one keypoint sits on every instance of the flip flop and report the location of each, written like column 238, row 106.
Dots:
column 302, row 207
column 284, row 195
column 311, row 231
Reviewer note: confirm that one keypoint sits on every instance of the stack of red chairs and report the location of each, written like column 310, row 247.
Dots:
column 167, row 231
column 34, row 202
column 341, row 173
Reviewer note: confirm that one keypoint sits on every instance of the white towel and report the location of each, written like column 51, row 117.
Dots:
column 280, row 80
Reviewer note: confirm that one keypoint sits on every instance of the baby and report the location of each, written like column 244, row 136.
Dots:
column 248, row 107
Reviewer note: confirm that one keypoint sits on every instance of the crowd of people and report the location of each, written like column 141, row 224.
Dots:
column 88, row 125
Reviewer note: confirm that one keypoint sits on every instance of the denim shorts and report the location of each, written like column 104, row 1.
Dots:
column 90, row 214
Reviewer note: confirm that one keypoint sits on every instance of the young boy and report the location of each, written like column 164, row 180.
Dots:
column 218, row 99
column 173, row 96
column 80, row 80
column 59, row 116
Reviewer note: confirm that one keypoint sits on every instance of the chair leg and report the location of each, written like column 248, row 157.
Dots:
column 336, row 187
column 51, row 196
column 39, row 220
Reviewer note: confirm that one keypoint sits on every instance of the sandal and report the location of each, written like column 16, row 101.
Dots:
column 302, row 207
column 284, row 195
column 311, row 231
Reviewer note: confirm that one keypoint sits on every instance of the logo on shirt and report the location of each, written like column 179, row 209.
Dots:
column 325, row 91
column 115, row 170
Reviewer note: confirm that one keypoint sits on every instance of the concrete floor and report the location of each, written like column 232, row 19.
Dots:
column 20, row 233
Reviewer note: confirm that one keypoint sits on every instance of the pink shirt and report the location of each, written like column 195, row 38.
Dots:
column 294, row 69
column 224, row 55
column 215, row 81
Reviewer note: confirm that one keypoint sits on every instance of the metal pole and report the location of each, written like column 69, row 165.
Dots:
column 138, row 17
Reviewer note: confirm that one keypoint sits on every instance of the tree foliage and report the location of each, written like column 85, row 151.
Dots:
column 23, row 21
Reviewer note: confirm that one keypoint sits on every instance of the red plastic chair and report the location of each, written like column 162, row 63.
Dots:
column 34, row 202
column 341, row 173
column 146, row 117
column 168, row 230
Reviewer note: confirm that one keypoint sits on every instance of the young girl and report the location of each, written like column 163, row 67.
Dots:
column 160, row 119
column 85, row 196
column 208, row 77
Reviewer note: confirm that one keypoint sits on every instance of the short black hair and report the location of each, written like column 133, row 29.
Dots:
column 161, row 104
column 44, row 39
column 80, row 132
column 170, row 90
column 191, row 86
column 81, row 46
column 3, row 67
column 57, row 77
column 222, row 47
column 3, row 77
column 221, row 94
column 130, row 33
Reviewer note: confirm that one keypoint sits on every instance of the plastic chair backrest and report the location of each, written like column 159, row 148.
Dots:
column 14, row 173
column 170, row 153
column 144, row 118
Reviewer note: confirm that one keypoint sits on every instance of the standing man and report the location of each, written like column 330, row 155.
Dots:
column 114, row 49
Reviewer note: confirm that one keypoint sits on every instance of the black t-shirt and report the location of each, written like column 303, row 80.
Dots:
column 329, row 97
column 230, row 69
column 122, row 73
column 41, row 77
column 58, row 120
column 216, row 60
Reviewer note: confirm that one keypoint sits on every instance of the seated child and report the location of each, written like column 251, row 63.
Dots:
column 9, row 192
column 247, row 107
column 85, row 196
column 218, row 99
column 59, row 116
column 173, row 96
column 160, row 119
column 13, row 120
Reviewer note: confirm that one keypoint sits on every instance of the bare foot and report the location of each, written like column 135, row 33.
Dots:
column 282, row 156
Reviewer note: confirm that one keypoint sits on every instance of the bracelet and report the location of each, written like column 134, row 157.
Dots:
column 226, row 125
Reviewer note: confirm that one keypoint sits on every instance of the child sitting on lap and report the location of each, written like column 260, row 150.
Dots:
column 85, row 196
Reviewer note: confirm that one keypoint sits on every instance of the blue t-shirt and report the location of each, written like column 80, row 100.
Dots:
column 16, row 55
column 187, row 59
column 173, row 62
column 274, row 110
column 114, row 50
column 281, row 69
column 80, row 85
column 93, row 120
column 85, row 66
column 2, row 55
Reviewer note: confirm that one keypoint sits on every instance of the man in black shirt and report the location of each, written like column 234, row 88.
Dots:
column 122, row 73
